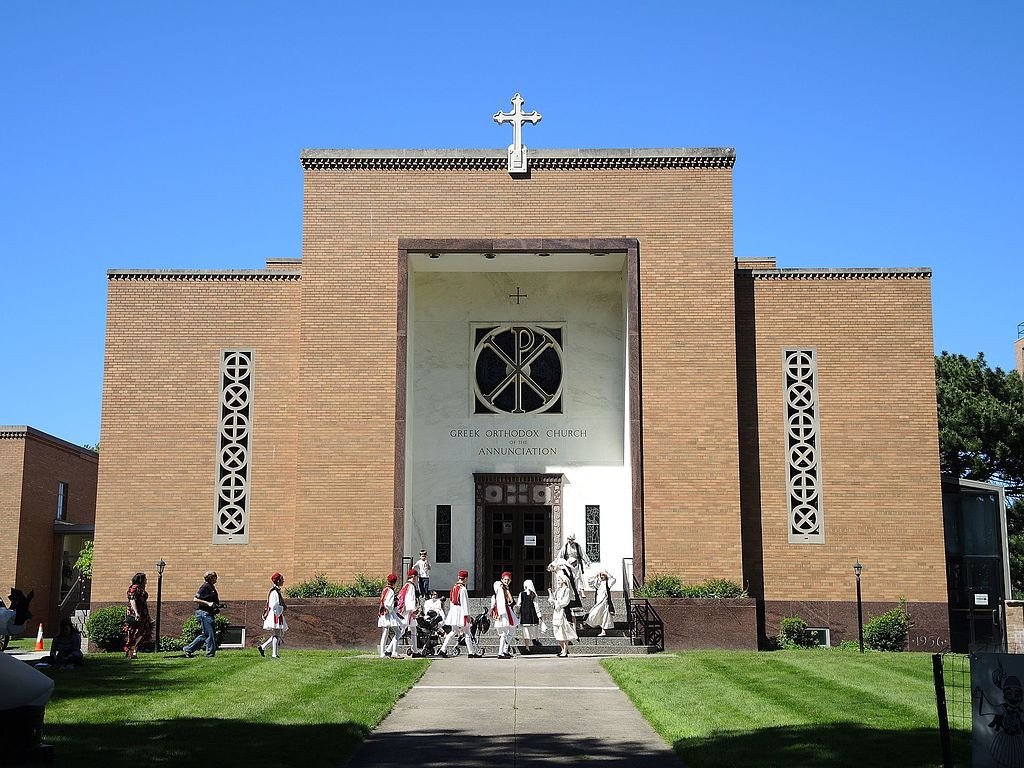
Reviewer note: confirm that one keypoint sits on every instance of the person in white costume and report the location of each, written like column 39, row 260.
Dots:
column 505, row 619
column 389, row 620
column 561, row 566
column 273, row 618
column 603, row 613
column 458, row 618
column 561, row 621
column 433, row 604
column 529, row 614
column 577, row 559
column 408, row 608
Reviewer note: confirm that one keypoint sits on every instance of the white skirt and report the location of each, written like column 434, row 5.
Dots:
column 389, row 619
column 561, row 627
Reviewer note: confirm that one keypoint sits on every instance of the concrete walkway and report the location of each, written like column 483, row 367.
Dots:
column 527, row 711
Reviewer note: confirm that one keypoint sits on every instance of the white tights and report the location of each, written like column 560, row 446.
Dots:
column 274, row 640
column 385, row 646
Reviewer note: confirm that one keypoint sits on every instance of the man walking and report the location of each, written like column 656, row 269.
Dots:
column 207, row 606
column 459, row 619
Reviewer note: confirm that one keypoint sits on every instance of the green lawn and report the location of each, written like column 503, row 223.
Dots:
column 790, row 708
column 308, row 708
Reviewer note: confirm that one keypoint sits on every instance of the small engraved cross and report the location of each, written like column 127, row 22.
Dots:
column 517, row 295
column 516, row 150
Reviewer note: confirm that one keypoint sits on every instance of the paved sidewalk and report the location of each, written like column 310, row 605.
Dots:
column 523, row 712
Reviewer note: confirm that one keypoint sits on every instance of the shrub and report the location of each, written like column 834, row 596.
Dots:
column 889, row 631
column 105, row 628
column 319, row 586
column 190, row 630
column 793, row 634
column 661, row 586
column 714, row 589
column 849, row 645
column 672, row 586
column 171, row 643
column 84, row 562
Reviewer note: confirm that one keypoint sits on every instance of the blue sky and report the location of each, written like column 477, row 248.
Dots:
column 167, row 135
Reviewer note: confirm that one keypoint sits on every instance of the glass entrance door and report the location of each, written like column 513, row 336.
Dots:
column 518, row 540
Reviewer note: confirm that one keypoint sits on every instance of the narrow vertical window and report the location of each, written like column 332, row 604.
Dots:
column 803, row 446
column 593, row 519
column 62, row 501
column 231, row 513
column 443, row 534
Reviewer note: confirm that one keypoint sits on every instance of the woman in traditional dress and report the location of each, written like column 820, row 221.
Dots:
column 273, row 617
column 561, row 619
column 529, row 616
column 138, row 626
column 389, row 620
column 505, row 619
column 561, row 565
column 603, row 613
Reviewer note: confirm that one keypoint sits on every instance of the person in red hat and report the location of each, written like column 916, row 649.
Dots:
column 408, row 608
column 273, row 618
column 389, row 620
column 459, row 618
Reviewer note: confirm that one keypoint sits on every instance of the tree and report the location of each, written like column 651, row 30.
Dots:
column 981, row 421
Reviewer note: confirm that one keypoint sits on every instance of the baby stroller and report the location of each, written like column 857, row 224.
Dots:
column 430, row 630
column 478, row 627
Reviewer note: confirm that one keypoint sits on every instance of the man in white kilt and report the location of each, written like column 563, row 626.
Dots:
column 389, row 621
column 408, row 608
column 459, row 618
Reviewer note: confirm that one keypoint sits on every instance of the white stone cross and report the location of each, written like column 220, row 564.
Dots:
column 517, row 150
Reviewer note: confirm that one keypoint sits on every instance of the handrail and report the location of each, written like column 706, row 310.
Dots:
column 628, row 585
column 648, row 625
column 79, row 585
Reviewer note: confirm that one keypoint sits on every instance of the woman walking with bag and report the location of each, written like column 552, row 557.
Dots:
column 273, row 618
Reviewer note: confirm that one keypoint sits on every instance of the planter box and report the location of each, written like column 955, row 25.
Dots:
column 692, row 623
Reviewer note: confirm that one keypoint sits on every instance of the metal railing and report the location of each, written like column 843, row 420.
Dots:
column 77, row 595
column 645, row 625
column 1020, row 330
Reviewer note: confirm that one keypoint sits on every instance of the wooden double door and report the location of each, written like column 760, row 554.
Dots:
column 517, row 539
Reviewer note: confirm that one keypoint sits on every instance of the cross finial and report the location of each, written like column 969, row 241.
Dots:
column 517, row 150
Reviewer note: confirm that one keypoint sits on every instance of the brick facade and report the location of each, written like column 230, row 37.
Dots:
column 324, row 491
column 32, row 464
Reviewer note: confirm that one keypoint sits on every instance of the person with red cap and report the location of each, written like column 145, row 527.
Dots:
column 408, row 608
column 273, row 618
column 459, row 618
column 505, row 619
column 389, row 620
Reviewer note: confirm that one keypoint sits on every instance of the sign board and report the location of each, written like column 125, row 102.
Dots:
column 996, row 695
column 980, row 599
column 529, row 541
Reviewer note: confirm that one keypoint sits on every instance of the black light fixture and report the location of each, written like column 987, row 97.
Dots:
column 488, row 255
column 160, row 565
column 434, row 255
column 599, row 255
column 857, row 568
column 543, row 255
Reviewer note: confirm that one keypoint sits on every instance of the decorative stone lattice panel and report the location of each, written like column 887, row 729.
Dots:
column 803, row 446
column 231, row 510
column 593, row 521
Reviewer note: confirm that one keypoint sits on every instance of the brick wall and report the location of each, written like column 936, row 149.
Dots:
column 879, row 439
column 159, row 432
column 12, row 461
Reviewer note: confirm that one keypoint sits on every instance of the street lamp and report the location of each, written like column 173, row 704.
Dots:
column 159, row 595
column 857, row 568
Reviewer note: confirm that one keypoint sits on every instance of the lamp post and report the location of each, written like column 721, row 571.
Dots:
column 857, row 568
column 159, row 596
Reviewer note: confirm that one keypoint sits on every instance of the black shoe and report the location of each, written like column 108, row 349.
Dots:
column 537, row 643
column 260, row 649
column 442, row 654
column 189, row 655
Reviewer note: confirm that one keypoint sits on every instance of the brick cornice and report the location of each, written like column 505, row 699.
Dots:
column 23, row 432
column 909, row 273
column 204, row 275
column 496, row 160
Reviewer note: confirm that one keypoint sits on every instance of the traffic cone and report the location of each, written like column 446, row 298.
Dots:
column 39, row 637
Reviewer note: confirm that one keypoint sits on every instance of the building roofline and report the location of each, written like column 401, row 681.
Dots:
column 204, row 274
column 851, row 273
column 23, row 432
column 497, row 159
